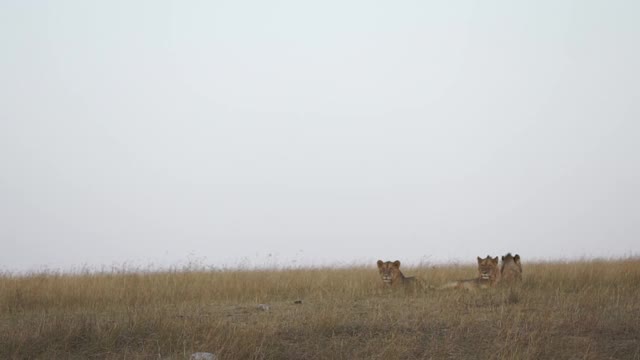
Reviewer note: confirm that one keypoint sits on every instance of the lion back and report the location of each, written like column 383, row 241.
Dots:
column 511, row 269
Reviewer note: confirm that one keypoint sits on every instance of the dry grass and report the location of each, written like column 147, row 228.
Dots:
column 577, row 310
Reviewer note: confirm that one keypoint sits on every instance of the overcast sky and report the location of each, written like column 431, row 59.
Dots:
column 308, row 133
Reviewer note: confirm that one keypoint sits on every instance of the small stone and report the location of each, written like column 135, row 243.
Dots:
column 203, row 356
column 298, row 302
column 263, row 307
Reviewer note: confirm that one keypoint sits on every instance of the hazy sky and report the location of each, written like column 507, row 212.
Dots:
column 318, row 132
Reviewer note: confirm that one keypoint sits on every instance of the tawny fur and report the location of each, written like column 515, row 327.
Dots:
column 488, row 276
column 511, row 269
column 392, row 276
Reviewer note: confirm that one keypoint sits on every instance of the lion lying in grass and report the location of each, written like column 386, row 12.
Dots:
column 392, row 276
column 488, row 276
column 511, row 270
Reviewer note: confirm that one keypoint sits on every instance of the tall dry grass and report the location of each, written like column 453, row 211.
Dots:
column 574, row 310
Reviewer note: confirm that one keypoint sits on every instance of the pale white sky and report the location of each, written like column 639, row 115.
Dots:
column 328, row 132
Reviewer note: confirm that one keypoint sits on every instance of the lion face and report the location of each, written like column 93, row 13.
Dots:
column 389, row 271
column 488, row 268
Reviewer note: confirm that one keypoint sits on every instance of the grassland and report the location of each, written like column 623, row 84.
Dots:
column 574, row 310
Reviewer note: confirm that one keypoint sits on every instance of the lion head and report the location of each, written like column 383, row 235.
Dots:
column 511, row 269
column 389, row 271
column 488, row 269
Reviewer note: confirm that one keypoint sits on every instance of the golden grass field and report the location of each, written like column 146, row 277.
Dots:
column 572, row 310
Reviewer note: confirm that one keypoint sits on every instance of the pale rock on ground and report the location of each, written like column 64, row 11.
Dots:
column 203, row 356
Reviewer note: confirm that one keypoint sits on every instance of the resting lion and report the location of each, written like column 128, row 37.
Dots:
column 488, row 276
column 392, row 276
column 511, row 270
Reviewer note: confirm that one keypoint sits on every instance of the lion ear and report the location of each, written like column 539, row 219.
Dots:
column 502, row 258
column 396, row 263
column 516, row 258
column 495, row 259
column 479, row 259
column 380, row 263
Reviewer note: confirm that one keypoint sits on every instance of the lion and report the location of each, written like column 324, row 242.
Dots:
column 488, row 276
column 392, row 276
column 511, row 269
